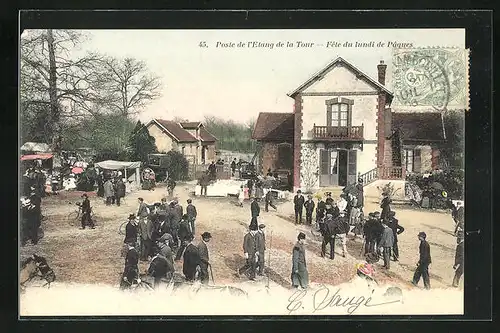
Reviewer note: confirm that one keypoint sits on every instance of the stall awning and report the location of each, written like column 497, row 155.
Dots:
column 117, row 165
column 36, row 157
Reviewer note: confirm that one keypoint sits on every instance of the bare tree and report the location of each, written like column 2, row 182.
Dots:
column 128, row 85
column 55, row 86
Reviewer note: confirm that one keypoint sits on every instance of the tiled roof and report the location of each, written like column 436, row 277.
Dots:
column 176, row 130
column 206, row 135
column 274, row 126
column 419, row 126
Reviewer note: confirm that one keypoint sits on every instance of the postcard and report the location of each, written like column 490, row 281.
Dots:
column 242, row 172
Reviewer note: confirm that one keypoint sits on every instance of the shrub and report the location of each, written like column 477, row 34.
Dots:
column 177, row 165
column 452, row 181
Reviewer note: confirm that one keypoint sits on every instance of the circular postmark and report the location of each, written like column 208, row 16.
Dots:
column 431, row 77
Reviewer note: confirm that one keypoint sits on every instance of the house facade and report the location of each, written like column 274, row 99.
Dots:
column 189, row 138
column 274, row 134
column 344, row 129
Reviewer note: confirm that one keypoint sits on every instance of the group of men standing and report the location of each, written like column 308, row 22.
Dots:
column 254, row 247
column 114, row 190
column 156, row 234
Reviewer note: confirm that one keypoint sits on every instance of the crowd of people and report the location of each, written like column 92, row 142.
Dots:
column 162, row 234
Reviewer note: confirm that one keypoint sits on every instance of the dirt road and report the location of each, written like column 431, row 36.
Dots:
column 93, row 256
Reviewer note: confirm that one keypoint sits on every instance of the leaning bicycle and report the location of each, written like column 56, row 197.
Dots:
column 75, row 217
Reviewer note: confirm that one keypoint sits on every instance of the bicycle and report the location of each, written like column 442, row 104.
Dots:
column 121, row 229
column 75, row 217
column 138, row 283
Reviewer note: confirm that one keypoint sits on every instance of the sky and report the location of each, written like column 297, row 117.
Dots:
column 238, row 83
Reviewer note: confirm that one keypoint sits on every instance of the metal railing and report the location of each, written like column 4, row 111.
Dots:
column 338, row 133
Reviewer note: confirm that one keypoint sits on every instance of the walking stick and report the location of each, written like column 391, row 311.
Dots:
column 211, row 273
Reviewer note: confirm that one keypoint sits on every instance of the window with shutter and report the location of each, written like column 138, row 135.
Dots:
column 324, row 161
column 352, row 162
column 416, row 161
column 333, row 162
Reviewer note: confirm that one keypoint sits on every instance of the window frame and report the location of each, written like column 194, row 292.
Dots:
column 335, row 105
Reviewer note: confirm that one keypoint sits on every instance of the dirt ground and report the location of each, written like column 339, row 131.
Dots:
column 93, row 256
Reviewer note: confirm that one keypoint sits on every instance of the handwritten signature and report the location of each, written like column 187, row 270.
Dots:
column 325, row 298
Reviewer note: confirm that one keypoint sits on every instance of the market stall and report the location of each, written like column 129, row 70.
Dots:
column 131, row 170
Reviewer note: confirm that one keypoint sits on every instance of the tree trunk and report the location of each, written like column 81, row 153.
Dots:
column 53, row 123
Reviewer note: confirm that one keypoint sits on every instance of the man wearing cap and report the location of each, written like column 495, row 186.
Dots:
column 192, row 214
column 309, row 206
column 164, row 248
column 424, row 262
column 109, row 191
column 320, row 211
column 251, row 246
column 299, row 276
column 386, row 242
column 204, row 258
column 341, row 228
column 459, row 261
column 86, row 209
column 298, row 204
column 397, row 229
column 262, row 249
column 254, row 208
column 191, row 261
column 160, row 268
column 120, row 190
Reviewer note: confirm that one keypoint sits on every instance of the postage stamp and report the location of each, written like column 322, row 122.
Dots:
column 431, row 77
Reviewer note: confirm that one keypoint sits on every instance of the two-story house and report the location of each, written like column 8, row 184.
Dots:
column 343, row 129
column 189, row 138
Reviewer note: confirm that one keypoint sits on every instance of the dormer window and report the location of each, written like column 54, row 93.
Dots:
column 339, row 112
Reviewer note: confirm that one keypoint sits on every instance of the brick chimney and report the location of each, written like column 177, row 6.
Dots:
column 381, row 72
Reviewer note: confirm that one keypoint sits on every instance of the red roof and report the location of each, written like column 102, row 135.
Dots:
column 274, row 126
column 36, row 157
column 206, row 135
column 179, row 133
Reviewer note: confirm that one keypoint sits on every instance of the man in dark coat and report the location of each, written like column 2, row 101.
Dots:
column 269, row 200
column 309, row 206
column 386, row 242
column 184, row 236
column 251, row 244
column 397, row 229
column 424, row 262
column 459, row 262
column 328, row 232
column 372, row 230
column 360, row 197
column 262, row 249
column 300, row 276
column 86, row 211
column 191, row 261
column 192, row 214
column 254, row 208
column 174, row 219
column 204, row 181
column 131, row 271
column 341, row 228
column 204, row 257
column 298, row 204
column 385, row 205
column 212, row 170
column 320, row 210
column 120, row 190
column 131, row 230
column 164, row 248
column 233, row 167
column 159, row 269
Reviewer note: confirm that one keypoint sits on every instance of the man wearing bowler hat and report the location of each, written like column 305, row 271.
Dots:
column 204, row 258
column 86, row 210
column 424, row 262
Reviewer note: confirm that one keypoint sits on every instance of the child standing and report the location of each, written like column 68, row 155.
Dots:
column 241, row 196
